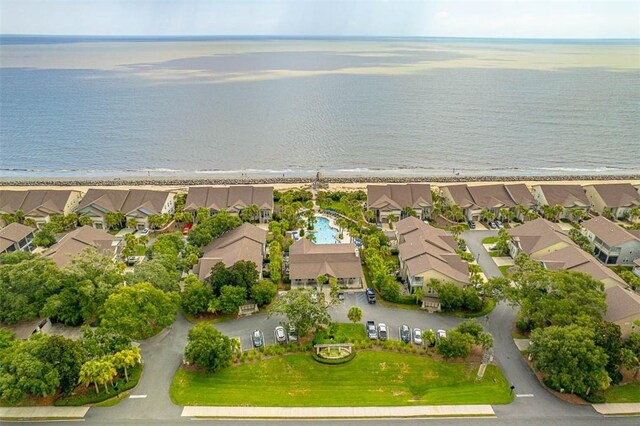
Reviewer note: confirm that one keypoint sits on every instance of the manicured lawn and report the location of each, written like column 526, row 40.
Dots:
column 504, row 269
column 490, row 240
column 373, row 378
column 341, row 333
column 626, row 393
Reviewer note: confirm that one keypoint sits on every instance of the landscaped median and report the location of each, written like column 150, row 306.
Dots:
column 372, row 378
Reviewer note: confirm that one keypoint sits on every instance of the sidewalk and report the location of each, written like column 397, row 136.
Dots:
column 340, row 412
column 621, row 409
column 42, row 413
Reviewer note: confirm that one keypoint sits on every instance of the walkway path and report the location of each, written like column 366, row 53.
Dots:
column 340, row 412
column 43, row 413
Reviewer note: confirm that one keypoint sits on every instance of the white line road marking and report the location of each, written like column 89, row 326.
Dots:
column 524, row 395
column 137, row 396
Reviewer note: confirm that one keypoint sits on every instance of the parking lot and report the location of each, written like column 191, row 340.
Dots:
column 378, row 313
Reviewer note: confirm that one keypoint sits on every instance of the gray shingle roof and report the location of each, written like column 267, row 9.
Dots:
column 307, row 260
column 12, row 233
column 617, row 194
column 608, row 231
column 35, row 202
column 231, row 198
column 568, row 196
column 399, row 196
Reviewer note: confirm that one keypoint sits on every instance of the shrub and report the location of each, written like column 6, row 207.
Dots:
column 339, row 361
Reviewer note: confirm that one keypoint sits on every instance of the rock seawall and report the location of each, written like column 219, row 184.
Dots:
column 174, row 181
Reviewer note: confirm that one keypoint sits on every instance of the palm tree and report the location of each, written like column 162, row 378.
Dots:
column 456, row 230
column 557, row 211
column 634, row 213
column 113, row 219
column 577, row 214
column 132, row 223
column 98, row 372
column 486, row 215
column 547, row 211
column 392, row 218
column 311, row 237
column 530, row 215
column 126, row 358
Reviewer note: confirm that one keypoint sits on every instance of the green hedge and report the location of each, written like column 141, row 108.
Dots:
column 339, row 361
column 90, row 396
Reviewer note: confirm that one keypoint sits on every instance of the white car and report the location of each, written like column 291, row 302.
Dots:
column 145, row 231
column 441, row 334
column 417, row 336
column 280, row 335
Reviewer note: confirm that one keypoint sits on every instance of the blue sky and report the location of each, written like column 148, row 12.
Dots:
column 444, row 18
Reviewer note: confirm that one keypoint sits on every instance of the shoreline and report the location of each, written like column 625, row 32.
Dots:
column 334, row 183
column 189, row 181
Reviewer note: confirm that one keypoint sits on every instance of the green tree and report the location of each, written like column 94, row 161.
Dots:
column 502, row 245
column 7, row 337
column 263, row 292
column 220, row 276
column 300, row 311
column 87, row 283
column 208, row 348
column 451, row 297
column 99, row 342
column 630, row 361
column 275, row 261
column 45, row 237
column 65, row 356
column 126, row 358
column 155, row 272
column 213, row 227
column 354, row 314
column 569, row 359
column 485, row 339
column 429, row 337
column 607, row 336
column 553, row 297
column 487, row 215
column 15, row 257
column 470, row 299
column 392, row 219
column 196, row 296
column 132, row 223
column 581, row 240
column 471, row 327
column 85, row 221
column 455, row 345
column 409, row 212
column 25, row 287
column 231, row 298
column 244, row 274
column 114, row 219
column 250, row 213
column 23, row 372
column 98, row 372
column 139, row 311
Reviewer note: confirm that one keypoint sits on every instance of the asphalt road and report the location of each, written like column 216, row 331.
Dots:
column 535, row 406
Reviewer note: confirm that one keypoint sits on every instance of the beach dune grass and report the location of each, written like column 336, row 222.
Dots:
column 373, row 378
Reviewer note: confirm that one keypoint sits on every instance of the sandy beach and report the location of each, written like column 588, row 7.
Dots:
column 352, row 185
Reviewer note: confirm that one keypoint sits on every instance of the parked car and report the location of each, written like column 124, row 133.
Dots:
column 492, row 225
column 372, row 332
column 314, row 297
column 187, row 228
column 417, row 336
column 257, row 339
column 382, row 331
column 131, row 260
column 371, row 296
column 280, row 335
column 405, row 333
column 472, row 224
column 145, row 231
column 441, row 334
column 498, row 224
column 341, row 296
column 292, row 334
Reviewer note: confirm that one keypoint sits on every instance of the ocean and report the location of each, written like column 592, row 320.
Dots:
column 226, row 107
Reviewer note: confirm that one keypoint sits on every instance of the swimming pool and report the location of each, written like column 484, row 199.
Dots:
column 325, row 234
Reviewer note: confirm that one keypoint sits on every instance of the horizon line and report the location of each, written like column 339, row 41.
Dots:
column 299, row 36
